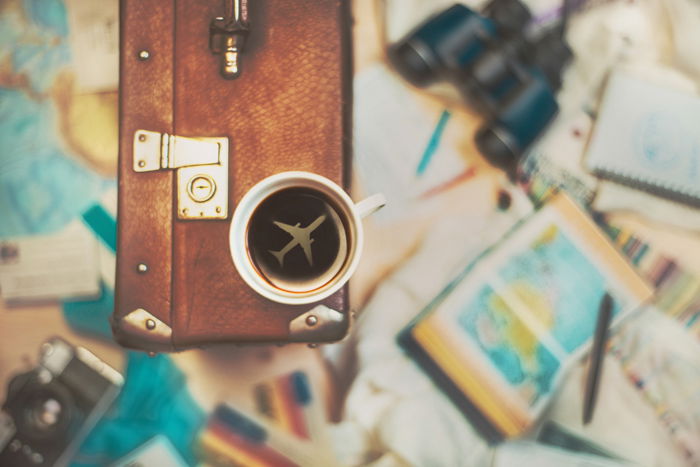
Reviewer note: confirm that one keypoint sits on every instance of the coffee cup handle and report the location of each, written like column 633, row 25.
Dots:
column 370, row 205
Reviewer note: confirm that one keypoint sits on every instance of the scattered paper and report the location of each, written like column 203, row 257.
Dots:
column 50, row 267
column 394, row 130
column 94, row 43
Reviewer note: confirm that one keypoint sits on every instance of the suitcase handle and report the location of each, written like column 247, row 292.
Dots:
column 227, row 37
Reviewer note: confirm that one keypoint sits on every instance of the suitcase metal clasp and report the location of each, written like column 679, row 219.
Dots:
column 202, row 170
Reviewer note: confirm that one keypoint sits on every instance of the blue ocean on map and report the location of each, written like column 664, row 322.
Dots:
column 510, row 346
column 42, row 185
column 551, row 283
column 559, row 285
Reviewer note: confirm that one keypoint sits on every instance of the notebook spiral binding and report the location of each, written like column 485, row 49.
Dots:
column 659, row 188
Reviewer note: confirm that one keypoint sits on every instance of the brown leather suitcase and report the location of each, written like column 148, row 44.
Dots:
column 188, row 133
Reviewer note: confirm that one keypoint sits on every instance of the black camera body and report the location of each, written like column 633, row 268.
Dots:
column 50, row 409
column 499, row 66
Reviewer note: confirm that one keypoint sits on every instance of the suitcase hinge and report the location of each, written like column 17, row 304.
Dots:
column 202, row 170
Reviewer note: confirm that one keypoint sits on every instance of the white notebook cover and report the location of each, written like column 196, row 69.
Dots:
column 648, row 136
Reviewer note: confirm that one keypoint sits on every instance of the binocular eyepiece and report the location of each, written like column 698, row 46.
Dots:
column 496, row 64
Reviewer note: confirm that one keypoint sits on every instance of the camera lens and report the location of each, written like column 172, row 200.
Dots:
column 47, row 413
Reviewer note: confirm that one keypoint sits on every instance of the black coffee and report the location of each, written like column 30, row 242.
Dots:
column 297, row 239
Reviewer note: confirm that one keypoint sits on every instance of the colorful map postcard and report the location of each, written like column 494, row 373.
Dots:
column 502, row 334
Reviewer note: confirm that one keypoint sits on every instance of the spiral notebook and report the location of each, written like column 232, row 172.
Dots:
column 646, row 137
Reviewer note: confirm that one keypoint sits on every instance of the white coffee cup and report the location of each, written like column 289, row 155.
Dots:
column 349, row 213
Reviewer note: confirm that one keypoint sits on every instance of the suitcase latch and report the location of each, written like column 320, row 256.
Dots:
column 201, row 164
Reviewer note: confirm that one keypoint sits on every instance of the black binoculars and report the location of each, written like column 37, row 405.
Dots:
column 501, row 67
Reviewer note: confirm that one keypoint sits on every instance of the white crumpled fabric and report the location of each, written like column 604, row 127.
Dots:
column 393, row 414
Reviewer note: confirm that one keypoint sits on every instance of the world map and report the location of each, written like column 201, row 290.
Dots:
column 44, row 181
column 541, row 308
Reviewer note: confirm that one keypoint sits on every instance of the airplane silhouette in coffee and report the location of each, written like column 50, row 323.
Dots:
column 300, row 236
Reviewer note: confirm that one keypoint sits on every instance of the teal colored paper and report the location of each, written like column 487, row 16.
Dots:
column 103, row 224
column 154, row 400
column 92, row 316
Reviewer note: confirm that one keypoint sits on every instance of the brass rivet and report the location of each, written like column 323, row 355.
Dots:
column 311, row 320
column 312, row 346
column 142, row 164
column 142, row 268
column 218, row 209
column 142, row 137
column 150, row 324
column 185, row 211
column 201, row 213
column 144, row 55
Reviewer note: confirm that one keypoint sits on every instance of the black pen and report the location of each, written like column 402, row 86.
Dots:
column 597, row 354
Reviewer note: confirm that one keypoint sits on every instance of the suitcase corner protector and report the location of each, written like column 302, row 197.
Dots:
column 139, row 329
